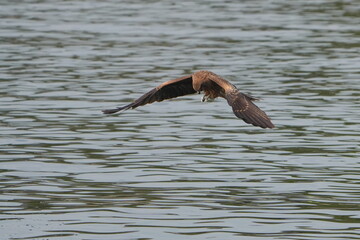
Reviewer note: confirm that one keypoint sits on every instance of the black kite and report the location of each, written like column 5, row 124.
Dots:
column 213, row 86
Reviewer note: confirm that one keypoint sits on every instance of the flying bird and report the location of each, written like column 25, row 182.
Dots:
column 213, row 86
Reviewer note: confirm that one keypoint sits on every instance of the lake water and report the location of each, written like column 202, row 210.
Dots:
column 179, row 169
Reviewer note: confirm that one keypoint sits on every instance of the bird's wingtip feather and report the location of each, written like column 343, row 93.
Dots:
column 110, row 111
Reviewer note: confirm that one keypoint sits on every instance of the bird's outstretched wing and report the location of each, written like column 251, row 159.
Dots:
column 244, row 108
column 170, row 89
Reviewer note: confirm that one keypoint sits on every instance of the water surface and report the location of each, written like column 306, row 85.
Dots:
column 178, row 169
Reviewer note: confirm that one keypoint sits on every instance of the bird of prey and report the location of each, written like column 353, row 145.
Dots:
column 213, row 86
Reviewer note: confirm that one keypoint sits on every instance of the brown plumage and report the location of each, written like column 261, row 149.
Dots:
column 213, row 86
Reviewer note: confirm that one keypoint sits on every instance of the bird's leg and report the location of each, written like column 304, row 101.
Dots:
column 207, row 98
column 204, row 98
